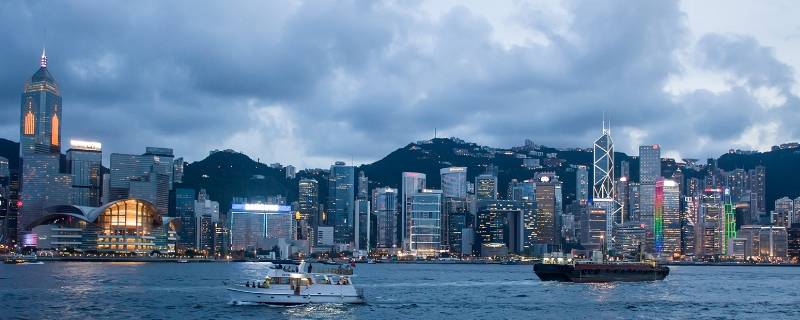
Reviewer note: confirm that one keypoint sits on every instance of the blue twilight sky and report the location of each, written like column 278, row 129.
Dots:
column 310, row 82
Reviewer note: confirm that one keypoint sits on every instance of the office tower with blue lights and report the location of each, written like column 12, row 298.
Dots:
column 341, row 202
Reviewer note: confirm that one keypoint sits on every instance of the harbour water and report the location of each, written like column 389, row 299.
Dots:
column 77, row 290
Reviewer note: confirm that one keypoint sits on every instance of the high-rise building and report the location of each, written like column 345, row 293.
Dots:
column 486, row 187
column 291, row 172
column 499, row 223
column 184, row 211
column 253, row 223
column 84, row 160
column 546, row 229
column 385, row 207
column 153, row 187
column 667, row 220
column 412, row 183
column 649, row 172
column 519, row 190
column 603, row 155
column 308, row 206
column 341, row 198
column 42, row 183
column 363, row 186
column 582, row 185
column 455, row 217
column 454, row 182
column 711, row 220
column 362, row 224
column 156, row 166
column 758, row 186
column 424, row 222
column 784, row 211
column 40, row 114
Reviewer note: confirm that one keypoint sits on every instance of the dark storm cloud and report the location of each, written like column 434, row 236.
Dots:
column 308, row 82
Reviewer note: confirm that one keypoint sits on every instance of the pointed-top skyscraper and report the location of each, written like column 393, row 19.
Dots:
column 603, row 187
column 40, row 113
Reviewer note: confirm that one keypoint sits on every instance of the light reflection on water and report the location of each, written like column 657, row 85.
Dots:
column 157, row 291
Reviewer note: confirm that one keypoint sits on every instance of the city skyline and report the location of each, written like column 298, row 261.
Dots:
column 712, row 85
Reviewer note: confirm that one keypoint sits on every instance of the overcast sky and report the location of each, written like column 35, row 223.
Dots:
column 308, row 83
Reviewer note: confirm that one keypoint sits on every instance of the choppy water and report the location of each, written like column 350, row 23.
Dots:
column 71, row 290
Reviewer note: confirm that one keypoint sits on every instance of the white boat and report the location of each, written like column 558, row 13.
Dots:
column 296, row 284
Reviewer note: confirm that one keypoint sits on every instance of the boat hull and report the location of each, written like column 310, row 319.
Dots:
column 271, row 297
column 592, row 273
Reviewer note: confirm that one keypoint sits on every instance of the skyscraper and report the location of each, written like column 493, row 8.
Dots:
column 603, row 190
column 546, row 228
column 667, row 224
column 649, row 171
column 341, row 197
column 308, row 205
column 362, row 224
column 499, row 222
column 424, row 222
column 84, row 160
column 184, row 210
column 582, row 185
column 412, row 183
column 40, row 147
column 385, row 206
column 125, row 168
column 454, row 182
column 40, row 114
column 486, row 187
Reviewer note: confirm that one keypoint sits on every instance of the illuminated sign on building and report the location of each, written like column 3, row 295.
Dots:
column 260, row 207
column 85, row 145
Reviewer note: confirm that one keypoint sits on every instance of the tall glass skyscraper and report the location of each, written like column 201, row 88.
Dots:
column 412, row 183
column 649, row 171
column 424, row 223
column 385, row 207
column 40, row 148
column 341, row 198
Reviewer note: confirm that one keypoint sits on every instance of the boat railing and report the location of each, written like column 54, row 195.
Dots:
column 337, row 271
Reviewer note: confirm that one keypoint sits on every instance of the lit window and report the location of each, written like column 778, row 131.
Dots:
column 54, row 127
column 29, row 122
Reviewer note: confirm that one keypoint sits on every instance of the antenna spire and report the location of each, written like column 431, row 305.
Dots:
column 43, row 61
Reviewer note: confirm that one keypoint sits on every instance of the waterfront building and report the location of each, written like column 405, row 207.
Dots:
column 84, row 161
column 385, row 207
column 547, row 201
column 454, row 182
column 455, row 213
column 424, row 222
column 499, row 222
column 251, row 224
column 122, row 226
column 362, row 224
column 184, row 211
column 412, row 182
column 341, row 201
column 308, row 206
column 629, row 240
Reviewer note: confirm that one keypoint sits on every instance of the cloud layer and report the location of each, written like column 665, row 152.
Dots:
column 311, row 82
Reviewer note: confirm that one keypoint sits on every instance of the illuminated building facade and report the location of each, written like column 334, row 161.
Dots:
column 649, row 172
column 486, row 187
column 308, row 205
column 184, row 211
column 123, row 226
column 40, row 114
column 424, row 222
column 500, row 222
column 252, row 223
column 667, row 222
